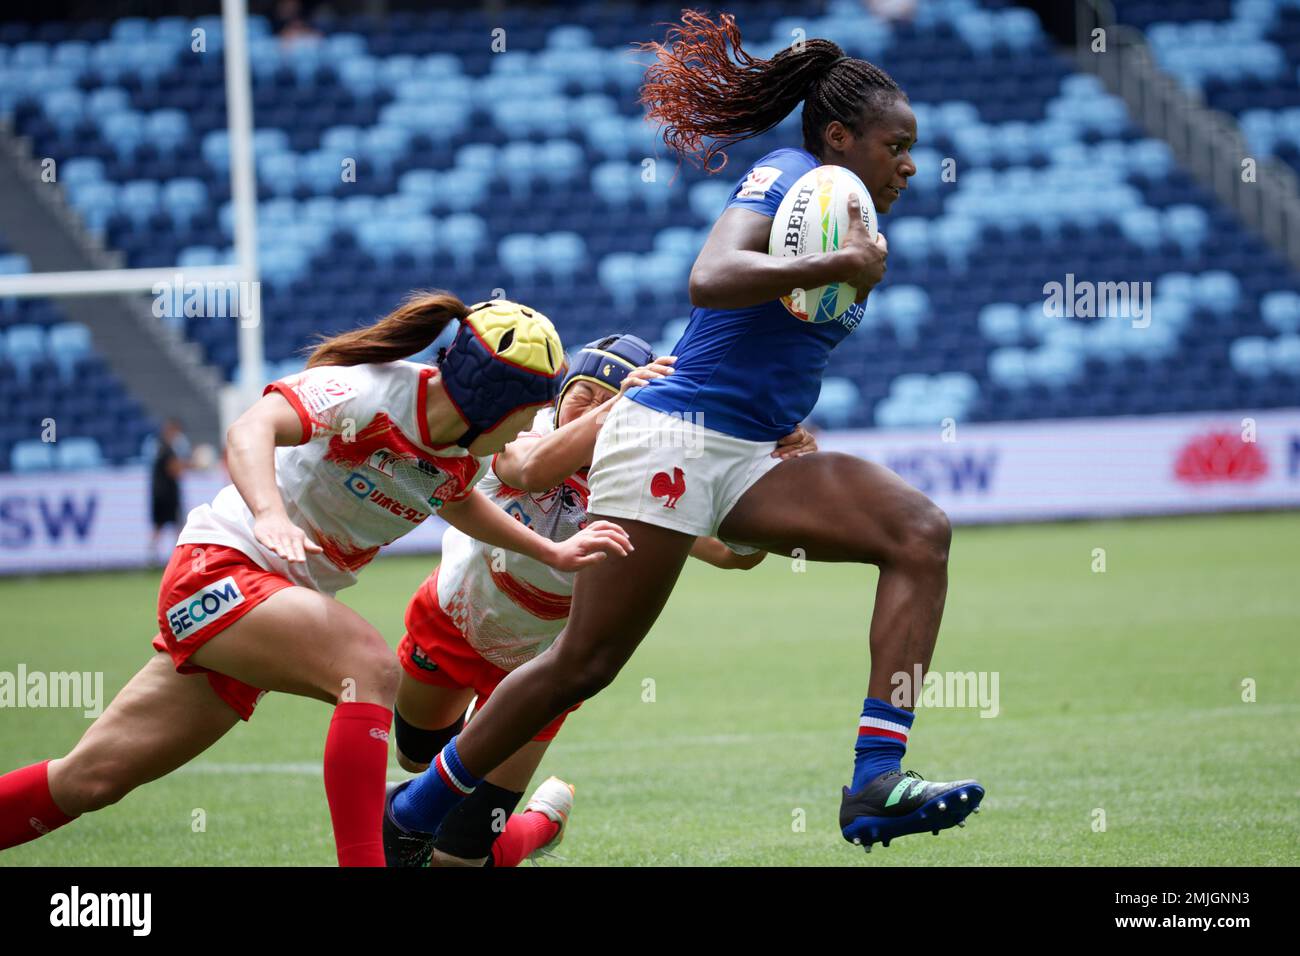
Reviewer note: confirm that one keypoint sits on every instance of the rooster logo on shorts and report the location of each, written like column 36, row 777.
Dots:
column 661, row 486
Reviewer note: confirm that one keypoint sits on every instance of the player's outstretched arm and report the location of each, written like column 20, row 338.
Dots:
column 480, row 519
column 538, row 463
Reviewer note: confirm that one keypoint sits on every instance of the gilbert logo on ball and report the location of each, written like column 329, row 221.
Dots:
column 814, row 217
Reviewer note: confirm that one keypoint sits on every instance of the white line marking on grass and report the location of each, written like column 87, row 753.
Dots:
column 722, row 740
column 314, row 769
column 290, row 769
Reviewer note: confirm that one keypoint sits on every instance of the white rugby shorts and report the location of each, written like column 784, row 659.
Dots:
column 672, row 470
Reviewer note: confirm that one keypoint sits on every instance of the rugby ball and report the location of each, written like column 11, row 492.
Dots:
column 814, row 217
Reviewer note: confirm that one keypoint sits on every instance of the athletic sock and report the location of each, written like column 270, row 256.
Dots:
column 356, row 764
column 424, row 802
column 471, row 826
column 27, row 810
column 882, row 741
column 524, row 833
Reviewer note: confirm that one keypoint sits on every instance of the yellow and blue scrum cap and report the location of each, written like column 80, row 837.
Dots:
column 505, row 357
column 606, row 362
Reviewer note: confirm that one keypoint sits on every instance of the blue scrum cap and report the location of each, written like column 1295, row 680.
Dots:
column 505, row 357
column 606, row 362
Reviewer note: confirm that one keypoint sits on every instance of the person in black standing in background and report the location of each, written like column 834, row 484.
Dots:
column 169, row 463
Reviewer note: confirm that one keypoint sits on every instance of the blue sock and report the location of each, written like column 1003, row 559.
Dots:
column 882, row 741
column 424, row 802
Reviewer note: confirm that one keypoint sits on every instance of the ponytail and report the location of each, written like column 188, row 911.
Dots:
column 697, row 92
column 408, row 329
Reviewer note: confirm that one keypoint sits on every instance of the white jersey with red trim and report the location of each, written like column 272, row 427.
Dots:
column 366, row 474
column 510, row 607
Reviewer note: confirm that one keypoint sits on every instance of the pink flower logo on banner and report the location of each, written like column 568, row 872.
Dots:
column 1220, row 456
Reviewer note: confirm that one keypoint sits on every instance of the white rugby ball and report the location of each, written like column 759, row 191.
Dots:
column 814, row 217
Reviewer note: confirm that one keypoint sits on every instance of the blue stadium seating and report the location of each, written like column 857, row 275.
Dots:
column 50, row 375
column 403, row 153
column 1242, row 57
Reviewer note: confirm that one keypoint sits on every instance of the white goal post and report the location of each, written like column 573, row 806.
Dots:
column 243, row 193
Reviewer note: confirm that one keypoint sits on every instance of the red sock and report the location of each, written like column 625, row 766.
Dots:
column 524, row 833
column 26, row 808
column 356, row 763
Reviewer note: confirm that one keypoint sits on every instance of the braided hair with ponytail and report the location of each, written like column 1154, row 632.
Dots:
column 698, row 93
column 407, row 330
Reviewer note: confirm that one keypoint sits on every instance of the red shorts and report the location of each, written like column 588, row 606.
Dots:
column 205, row 589
column 433, row 651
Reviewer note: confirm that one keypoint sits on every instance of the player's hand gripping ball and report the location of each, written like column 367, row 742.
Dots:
column 814, row 217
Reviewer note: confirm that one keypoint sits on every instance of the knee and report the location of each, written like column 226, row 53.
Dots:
column 580, row 678
column 926, row 538
column 104, row 791
column 86, row 787
column 370, row 672
column 417, row 746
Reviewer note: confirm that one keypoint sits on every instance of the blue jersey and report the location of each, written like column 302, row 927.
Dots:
column 754, row 373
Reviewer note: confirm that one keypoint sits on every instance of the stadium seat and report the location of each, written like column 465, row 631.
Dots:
column 1250, row 356
column 837, row 403
column 1286, row 355
column 564, row 255
column 12, row 264
column 619, row 274
column 520, row 255
column 1000, row 322
column 463, row 236
column 24, row 346
column 32, row 455
column 74, row 453
column 69, row 343
column 1281, row 310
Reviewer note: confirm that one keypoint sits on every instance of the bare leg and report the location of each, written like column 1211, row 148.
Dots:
column 302, row 642
column 615, row 603
column 841, row 508
column 297, row 641
column 159, row 721
column 836, row 507
column 519, row 767
column 428, row 707
column 305, row 643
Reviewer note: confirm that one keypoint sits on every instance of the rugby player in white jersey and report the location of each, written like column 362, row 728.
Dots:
column 327, row 467
column 486, row 611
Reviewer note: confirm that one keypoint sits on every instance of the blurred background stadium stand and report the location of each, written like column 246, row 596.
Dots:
column 525, row 172
column 1242, row 58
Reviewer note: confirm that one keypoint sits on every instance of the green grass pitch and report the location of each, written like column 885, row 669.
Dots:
column 1120, row 693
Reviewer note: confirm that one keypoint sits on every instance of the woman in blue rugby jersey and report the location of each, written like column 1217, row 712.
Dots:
column 747, row 373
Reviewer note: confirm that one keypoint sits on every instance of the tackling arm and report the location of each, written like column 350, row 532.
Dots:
column 539, row 464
